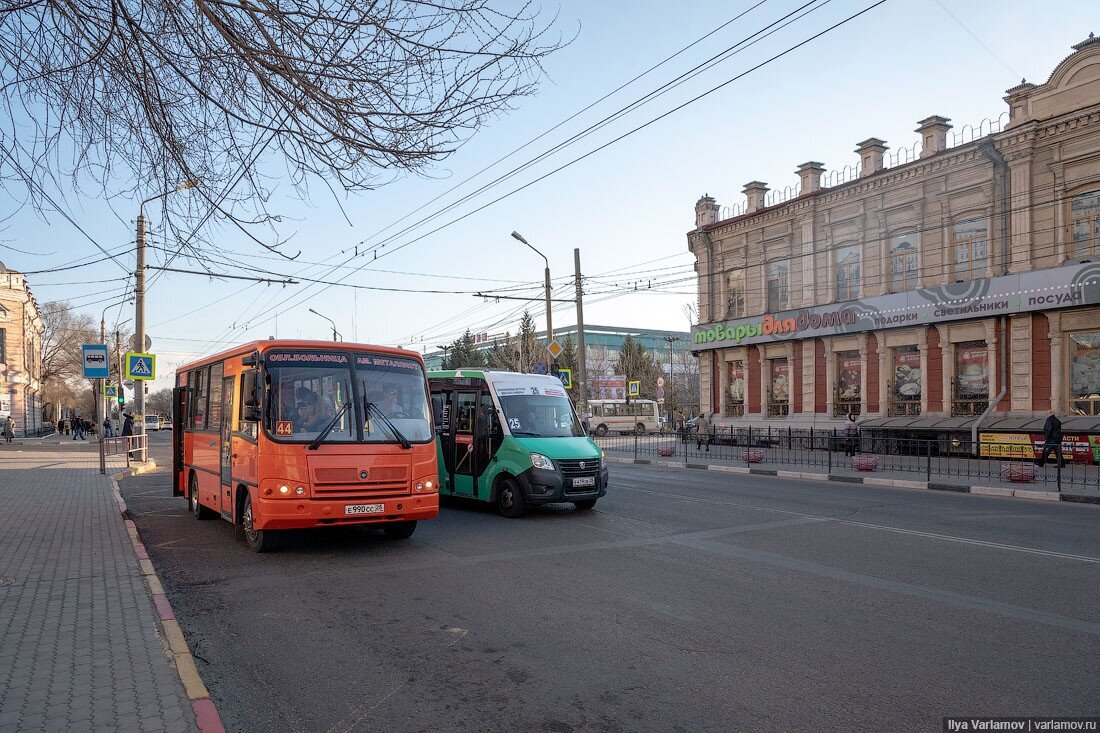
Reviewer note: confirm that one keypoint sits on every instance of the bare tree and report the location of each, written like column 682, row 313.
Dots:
column 63, row 384
column 139, row 96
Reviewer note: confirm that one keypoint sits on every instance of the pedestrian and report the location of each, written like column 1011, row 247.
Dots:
column 9, row 429
column 851, row 433
column 127, row 424
column 78, row 427
column 68, row 426
column 702, row 432
column 1052, row 440
column 61, row 426
column 108, row 429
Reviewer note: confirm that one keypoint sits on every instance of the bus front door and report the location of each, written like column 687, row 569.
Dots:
column 464, row 456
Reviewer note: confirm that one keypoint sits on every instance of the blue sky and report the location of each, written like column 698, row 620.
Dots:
column 629, row 204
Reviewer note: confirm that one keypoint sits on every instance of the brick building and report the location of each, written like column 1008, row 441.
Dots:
column 934, row 288
column 21, row 331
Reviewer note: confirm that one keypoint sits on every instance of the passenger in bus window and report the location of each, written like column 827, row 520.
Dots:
column 390, row 406
column 314, row 418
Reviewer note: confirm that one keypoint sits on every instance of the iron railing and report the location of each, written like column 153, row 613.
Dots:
column 134, row 447
column 777, row 448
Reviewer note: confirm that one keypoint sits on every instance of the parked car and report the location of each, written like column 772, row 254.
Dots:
column 152, row 422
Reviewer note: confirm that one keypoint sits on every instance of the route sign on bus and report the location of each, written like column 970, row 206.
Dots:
column 141, row 366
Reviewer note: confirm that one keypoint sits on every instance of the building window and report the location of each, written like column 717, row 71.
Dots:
column 970, row 242
column 904, row 261
column 1085, row 219
column 735, row 392
column 971, row 379
column 1084, row 373
column 780, row 388
column 735, row 294
column 905, row 383
column 849, row 373
column 779, row 291
column 846, row 260
column 3, row 346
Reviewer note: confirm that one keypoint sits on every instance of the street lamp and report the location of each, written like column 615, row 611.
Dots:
column 670, row 339
column 139, row 296
column 549, row 322
column 335, row 333
column 445, row 350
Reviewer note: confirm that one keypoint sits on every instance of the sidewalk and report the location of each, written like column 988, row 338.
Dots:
column 80, row 643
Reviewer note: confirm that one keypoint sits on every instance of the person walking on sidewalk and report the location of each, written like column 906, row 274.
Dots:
column 1052, row 440
column 108, row 429
column 702, row 432
column 9, row 429
column 78, row 427
column 851, row 434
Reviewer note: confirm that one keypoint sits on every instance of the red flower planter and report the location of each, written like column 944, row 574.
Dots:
column 752, row 456
column 1019, row 473
column 865, row 463
column 666, row 451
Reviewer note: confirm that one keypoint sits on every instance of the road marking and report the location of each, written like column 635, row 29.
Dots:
column 884, row 527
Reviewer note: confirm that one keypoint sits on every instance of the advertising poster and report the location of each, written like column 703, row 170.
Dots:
column 607, row 388
column 781, row 381
column 972, row 370
column 849, row 370
column 1084, row 378
column 737, row 381
column 1076, row 447
column 907, row 377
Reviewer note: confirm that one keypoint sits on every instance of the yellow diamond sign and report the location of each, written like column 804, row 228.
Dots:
column 554, row 348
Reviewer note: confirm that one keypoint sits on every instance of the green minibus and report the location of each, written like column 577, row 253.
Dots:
column 514, row 440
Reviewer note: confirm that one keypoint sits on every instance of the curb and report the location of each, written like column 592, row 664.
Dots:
column 993, row 491
column 202, row 707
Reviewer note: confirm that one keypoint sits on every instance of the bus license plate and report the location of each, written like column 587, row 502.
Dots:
column 365, row 509
column 584, row 481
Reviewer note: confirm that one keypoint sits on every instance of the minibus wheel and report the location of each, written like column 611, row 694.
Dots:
column 258, row 540
column 601, row 430
column 196, row 508
column 510, row 501
column 584, row 504
column 639, row 428
column 399, row 530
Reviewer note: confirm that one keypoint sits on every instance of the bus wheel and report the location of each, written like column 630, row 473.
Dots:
column 639, row 429
column 510, row 502
column 193, row 504
column 258, row 540
column 399, row 530
column 584, row 505
column 601, row 430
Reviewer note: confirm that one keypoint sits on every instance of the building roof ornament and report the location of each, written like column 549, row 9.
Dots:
column 1090, row 41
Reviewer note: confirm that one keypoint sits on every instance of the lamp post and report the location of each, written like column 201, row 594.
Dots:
column 549, row 321
column 445, row 350
column 670, row 340
column 335, row 333
column 139, row 297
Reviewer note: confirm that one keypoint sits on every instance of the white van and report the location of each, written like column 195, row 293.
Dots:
column 152, row 422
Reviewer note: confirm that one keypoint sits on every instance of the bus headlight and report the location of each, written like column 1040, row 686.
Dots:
column 300, row 491
column 538, row 460
column 284, row 489
column 603, row 459
column 425, row 485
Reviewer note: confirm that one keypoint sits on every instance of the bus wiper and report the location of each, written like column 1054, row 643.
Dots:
column 371, row 407
column 532, row 433
column 316, row 443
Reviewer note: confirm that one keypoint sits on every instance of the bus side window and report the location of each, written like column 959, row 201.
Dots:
column 437, row 409
column 597, row 410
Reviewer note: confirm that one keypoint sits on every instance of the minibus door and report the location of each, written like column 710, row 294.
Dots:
column 179, row 418
column 227, row 446
column 465, row 434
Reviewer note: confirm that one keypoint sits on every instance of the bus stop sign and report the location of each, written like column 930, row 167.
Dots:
column 95, row 361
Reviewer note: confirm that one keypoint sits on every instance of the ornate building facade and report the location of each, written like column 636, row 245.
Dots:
column 21, row 333
column 947, row 285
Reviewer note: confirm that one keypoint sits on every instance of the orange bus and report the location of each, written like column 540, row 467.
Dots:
column 284, row 434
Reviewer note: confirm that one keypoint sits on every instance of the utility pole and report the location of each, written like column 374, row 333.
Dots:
column 139, row 320
column 582, row 354
column 670, row 339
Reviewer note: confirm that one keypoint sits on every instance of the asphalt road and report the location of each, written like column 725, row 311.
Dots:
column 687, row 601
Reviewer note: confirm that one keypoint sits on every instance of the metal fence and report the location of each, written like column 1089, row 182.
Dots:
column 134, row 447
column 831, row 450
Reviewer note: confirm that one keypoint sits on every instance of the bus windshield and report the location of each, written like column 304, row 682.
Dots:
column 540, row 416
column 308, row 390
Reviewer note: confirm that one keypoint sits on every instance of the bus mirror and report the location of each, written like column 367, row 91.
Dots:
column 252, row 359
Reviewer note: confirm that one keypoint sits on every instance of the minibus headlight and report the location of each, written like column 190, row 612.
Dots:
column 603, row 459
column 538, row 460
column 425, row 485
column 300, row 491
column 284, row 489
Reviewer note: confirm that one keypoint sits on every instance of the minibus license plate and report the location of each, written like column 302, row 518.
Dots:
column 584, row 481
column 365, row 509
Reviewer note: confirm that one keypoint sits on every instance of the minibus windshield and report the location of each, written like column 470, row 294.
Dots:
column 540, row 416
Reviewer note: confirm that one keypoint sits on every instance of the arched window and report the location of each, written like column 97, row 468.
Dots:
column 970, row 242
column 1085, row 220
column 904, row 261
column 847, row 260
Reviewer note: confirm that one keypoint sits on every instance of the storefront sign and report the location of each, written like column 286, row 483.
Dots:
column 1036, row 290
column 607, row 388
column 1076, row 448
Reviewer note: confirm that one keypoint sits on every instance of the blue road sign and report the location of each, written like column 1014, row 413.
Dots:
column 96, row 361
column 566, row 377
column 540, row 367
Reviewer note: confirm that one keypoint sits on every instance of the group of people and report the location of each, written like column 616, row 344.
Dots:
column 76, row 426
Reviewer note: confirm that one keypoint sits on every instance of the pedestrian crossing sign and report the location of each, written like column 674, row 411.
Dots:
column 141, row 366
column 110, row 390
column 566, row 377
column 634, row 388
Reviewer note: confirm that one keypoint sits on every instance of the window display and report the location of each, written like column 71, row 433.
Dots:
column 972, row 370
column 1084, row 373
column 907, row 375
